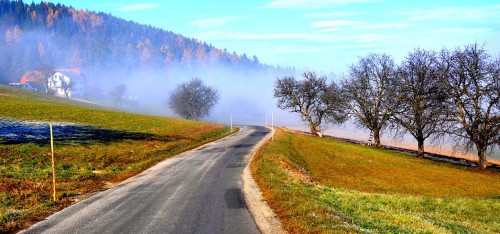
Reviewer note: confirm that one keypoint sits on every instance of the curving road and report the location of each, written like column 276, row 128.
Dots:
column 196, row 192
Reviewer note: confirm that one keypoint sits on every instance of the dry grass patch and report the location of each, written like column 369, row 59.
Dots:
column 341, row 165
column 363, row 189
column 121, row 145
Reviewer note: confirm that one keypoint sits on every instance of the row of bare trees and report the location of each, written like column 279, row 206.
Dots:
column 428, row 95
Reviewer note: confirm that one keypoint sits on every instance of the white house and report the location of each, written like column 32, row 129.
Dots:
column 63, row 86
column 59, row 85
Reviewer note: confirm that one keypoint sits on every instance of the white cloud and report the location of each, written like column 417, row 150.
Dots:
column 461, row 30
column 214, row 22
column 323, row 38
column 454, row 13
column 311, row 49
column 222, row 35
column 368, row 38
column 384, row 26
column 296, row 49
column 279, row 37
column 329, row 30
column 139, row 7
column 335, row 23
column 311, row 4
column 338, row 25
column 246, row 36
column 332, row 14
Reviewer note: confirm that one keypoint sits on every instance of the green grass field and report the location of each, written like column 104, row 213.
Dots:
column 126, row 145
column 325, row 185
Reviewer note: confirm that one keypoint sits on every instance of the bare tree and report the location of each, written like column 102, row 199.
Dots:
column 66, row 86
column 369, row 92
column 495, row 90
column 423, row 97
column 336, row 113
column 312, row 97
column 473, row 84
column 118, row 93
column 193, row 99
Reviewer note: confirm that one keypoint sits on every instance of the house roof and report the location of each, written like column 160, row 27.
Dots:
column 36, row 85
column 40, row 76
column 33, row 76
column 74, row 71
column 69, row 74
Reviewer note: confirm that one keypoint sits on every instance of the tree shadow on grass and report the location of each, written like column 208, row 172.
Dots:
column 16, row 132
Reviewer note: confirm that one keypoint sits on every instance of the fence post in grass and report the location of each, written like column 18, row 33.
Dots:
column 272, row 127
column 53, row 162
column 231, row 117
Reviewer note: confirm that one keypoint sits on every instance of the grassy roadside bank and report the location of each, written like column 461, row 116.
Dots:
column 324, row 185
column 114, row 146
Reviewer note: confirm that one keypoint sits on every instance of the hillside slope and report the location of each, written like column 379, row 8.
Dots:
column 319, row 185
column 51, row 36
column 94, row 148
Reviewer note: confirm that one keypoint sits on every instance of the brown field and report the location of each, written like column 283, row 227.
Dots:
column 112, row 147
column 325, row 185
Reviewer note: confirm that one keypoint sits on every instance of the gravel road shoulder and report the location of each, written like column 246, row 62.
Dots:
column 263, row 215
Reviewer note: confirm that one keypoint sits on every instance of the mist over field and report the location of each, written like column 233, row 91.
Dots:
column 444, row 146
column 245, row 95
column 346, row 116
column 150, row 62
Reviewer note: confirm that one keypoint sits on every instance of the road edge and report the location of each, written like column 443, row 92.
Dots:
column 262, row 214
column 82, row 197
column 158, row 164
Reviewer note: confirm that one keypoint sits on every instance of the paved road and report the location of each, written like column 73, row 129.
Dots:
column 197, row 192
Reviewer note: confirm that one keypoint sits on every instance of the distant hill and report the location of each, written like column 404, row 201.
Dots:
column 47, row 36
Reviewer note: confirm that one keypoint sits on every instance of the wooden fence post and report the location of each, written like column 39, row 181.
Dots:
column 53, row 162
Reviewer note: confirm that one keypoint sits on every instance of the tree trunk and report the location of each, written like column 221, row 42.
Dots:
column 312, row 126
column 314, row 131
column 481, row 154
column 376, row 138
column 421, row 150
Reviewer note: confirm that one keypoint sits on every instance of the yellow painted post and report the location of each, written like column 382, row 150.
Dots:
column 53, row 162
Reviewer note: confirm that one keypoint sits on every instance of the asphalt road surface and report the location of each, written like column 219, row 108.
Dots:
column 197, row 192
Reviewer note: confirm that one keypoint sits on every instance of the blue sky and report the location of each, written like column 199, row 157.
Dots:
column 322, row 35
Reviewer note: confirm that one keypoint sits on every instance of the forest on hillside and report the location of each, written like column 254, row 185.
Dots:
column 49, row 36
